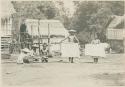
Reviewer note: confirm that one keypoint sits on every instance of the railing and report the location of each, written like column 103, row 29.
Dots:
column 117, row 34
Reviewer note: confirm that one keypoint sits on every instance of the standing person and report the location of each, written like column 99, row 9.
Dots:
column 23, row 34
column 71, row 39
column 44, row 52
column 95, row 41
column 12, row 46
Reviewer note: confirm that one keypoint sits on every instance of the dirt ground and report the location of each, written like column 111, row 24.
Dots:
column 59, row 73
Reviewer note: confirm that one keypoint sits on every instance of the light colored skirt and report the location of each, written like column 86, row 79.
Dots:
column 70, row 50
column 20, row 58
column 96, row 50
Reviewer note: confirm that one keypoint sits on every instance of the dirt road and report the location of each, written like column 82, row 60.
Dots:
column 83, row 73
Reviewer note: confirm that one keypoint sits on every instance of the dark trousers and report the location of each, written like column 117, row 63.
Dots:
column 71, row 59
column 95, row 60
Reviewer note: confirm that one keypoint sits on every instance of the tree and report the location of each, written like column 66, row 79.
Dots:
column 117, row 7
column 48, row 9
column 63, row 14
column 92, row 17
column 35, row 9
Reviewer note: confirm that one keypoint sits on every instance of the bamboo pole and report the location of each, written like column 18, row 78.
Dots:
column 39, row 34
column 48, row 38
column 124, row 44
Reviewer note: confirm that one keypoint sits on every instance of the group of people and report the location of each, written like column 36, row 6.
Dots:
column 27, row 55
column 71, row 49
column 70, row 52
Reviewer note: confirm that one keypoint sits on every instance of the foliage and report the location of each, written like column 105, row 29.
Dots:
column 117, row 7
column 35, row 9
column 92, row 18
column 63, row 14
column 48, row 9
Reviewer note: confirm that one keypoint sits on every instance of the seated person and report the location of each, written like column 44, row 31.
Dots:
column 23, row 56
column 34, row 52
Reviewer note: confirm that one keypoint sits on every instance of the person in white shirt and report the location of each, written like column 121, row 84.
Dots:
column 95, row 41
column 24, row 53
column 71, row 39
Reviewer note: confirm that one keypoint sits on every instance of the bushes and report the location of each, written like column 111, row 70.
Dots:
column 117, row 46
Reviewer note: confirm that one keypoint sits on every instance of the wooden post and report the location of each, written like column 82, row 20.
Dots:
column 48, row 39
column 31, row 30
column 19, row 42
column 39, row 34
column 124, row 44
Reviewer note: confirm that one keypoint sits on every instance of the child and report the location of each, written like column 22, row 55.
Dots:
column 34, row 52
column 96, row 41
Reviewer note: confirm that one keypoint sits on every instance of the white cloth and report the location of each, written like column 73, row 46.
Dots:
column 55, row 47
column 95, row 50
column 70, row 50
column 97, row 41
column 20, row 58
column 31, row 53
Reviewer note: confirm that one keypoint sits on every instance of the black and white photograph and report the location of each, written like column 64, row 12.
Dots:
column 62, row 43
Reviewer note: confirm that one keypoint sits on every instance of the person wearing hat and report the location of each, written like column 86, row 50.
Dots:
column 21, row 58
column 34, row 52
column 71, row 39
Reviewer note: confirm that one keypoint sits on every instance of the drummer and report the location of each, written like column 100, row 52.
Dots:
column 71, row 39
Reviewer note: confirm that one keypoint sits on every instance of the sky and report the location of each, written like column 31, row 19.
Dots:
column 68, row 5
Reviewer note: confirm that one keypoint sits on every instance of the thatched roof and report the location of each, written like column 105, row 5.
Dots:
column 55, row 27
column 116, row 21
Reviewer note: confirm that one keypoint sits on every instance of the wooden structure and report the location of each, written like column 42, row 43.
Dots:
column 46, row 31
column 7, row 12
column 116, row 29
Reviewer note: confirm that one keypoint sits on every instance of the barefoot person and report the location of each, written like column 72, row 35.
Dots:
column 72, row 46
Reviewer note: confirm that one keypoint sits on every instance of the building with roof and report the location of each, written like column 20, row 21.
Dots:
column 7, row 11
column 52, row 28
column 116, row 32
column 46, row 31
column 6, row 17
